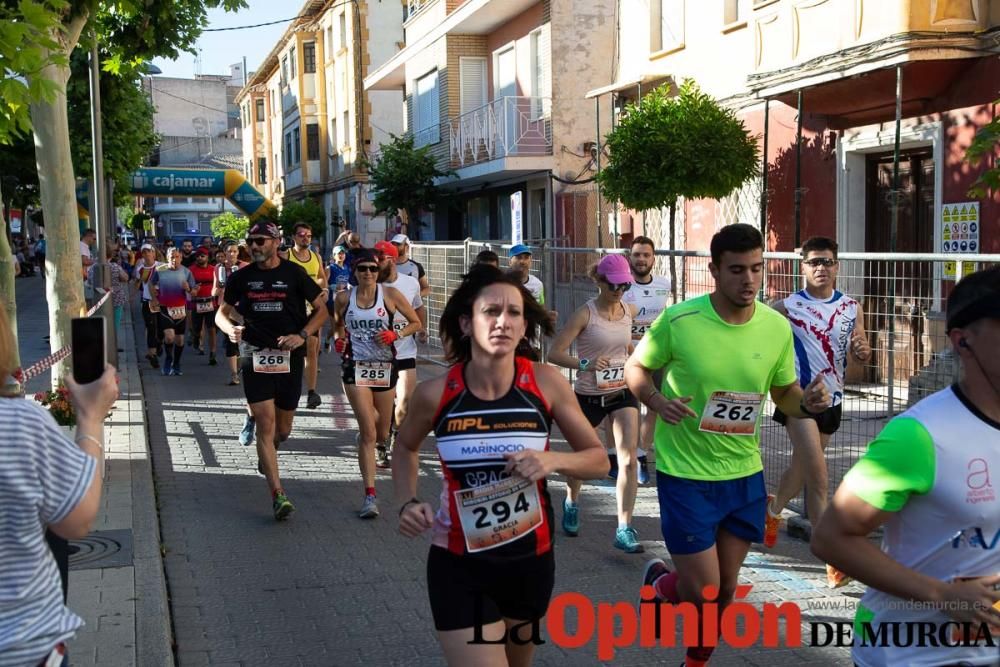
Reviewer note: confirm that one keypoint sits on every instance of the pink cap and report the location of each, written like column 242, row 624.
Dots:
column 615, row 269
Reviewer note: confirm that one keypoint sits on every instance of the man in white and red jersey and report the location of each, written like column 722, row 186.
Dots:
column 649, row 294
column 827, row 325
column 927, row 479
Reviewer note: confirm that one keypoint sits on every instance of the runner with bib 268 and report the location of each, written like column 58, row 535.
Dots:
column 491, row 570
column 721, row 354
column 271, row 295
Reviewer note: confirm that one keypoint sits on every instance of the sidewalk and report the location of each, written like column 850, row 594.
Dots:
column 116, row 581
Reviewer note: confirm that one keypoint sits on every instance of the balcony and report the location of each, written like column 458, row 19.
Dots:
column 506, row 127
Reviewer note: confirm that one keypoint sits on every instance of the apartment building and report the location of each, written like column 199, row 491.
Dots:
column 308, row 122
column 496, row 89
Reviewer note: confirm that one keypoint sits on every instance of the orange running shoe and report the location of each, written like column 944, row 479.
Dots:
column 835, row 578
column 771, row 524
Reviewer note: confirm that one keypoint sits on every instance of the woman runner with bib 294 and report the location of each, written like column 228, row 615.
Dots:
column 364, row 338
column 490, row 571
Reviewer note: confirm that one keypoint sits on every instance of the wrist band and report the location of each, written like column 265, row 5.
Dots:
column 409, row 502
column 84, row 436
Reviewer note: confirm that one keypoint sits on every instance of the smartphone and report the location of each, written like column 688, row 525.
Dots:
column 87, row 339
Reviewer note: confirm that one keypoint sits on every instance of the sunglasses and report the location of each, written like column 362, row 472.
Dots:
column 257, row 240
column 362, row 268
column 820, row 261
column 618, row 287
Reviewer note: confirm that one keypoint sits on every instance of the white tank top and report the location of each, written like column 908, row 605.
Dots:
column 603, row 338
column 406, row 348
column 650, row 299
column 363, row 324
column 822, row 337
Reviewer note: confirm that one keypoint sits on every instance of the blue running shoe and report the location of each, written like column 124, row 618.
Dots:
column 627, row 540
column 168, row 361
column 643, row 470
column 249, row 429
column 571, row 520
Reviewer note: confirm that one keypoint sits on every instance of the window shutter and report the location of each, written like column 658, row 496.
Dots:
column 473, row 83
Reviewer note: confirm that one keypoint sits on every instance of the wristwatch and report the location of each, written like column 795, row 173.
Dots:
column 303, row 335
column 584, row 364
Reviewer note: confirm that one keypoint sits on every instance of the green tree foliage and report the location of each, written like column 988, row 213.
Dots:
column 127, row 123
column 139, row 222
column 228, row 225
column 402, row 178
column 18, row 174
column 985, row 144
column 308, row 211
column 670, row 146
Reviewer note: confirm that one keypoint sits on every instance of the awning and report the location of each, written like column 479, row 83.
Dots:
column 644, row 82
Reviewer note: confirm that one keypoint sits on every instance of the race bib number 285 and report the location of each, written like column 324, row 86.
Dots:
column 372, row 374
column 731, row 413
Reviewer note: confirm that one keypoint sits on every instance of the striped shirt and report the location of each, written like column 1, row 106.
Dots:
column 43, row 477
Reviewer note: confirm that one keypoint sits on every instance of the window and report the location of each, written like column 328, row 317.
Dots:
column 346, row 128
column 334, row 140
column 730, row 11
column 291, row 63
column 472, row 81
column 666, row 25
column 343, row 30
column 297, row 145
column 260, row 110
column 262, row 170
column 309, row 57
column 426, row 107
column 312, row 141
column 284, row 70
column 288, row 150
column 328, row 45
column 539, row 74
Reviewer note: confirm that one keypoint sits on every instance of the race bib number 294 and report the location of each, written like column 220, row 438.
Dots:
column 498, row 513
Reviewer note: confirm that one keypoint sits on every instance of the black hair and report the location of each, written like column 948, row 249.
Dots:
column 458, row 347
column 975, row 297
column 486, row 256
column 362, row 255
column 643, row 240
column 735, row 238
column 819, row 244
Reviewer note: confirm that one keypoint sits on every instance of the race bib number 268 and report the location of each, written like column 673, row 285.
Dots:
column 271, row 361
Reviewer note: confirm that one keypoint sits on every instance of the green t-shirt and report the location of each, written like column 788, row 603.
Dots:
column 898, row 463
column 727, row 370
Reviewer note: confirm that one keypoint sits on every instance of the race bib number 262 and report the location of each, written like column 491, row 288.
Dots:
column 731, row 413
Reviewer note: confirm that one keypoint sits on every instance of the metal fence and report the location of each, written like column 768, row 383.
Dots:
column 902, row 297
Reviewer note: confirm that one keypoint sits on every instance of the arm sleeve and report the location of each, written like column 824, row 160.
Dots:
column 64, row 471
column 229, row 294
column 898, row 463
column 784, row 374
column 653, row 350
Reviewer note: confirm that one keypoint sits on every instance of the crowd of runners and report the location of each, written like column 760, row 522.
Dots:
column 680, row 384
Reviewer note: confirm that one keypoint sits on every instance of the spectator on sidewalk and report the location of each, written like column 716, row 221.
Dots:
column 87, row 239
column 45, row 480
column 119, row 285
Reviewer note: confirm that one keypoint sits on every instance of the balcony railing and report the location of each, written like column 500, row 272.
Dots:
column 506, row 127
column 414, row 6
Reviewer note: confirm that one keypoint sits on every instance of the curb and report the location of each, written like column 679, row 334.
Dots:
column 153, row 631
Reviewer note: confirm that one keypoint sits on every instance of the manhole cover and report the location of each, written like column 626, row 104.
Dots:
column 101, row 549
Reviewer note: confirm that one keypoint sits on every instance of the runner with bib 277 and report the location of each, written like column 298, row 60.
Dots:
column 721, row 353
column 490, row 571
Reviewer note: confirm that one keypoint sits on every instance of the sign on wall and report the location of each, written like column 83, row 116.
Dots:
column 960, row 234
column 516, row 231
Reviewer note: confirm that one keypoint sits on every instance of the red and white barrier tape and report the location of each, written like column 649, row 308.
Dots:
column 47, row 362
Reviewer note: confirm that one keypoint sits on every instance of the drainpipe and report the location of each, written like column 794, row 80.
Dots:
column 894, row 207
column 597, row 106
column 798, row 174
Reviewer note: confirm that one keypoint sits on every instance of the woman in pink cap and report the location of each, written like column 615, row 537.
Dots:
column 602, row 329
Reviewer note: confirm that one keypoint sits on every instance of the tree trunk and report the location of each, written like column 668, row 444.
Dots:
column 7, row 289
column 57, row 186
column 673, row 260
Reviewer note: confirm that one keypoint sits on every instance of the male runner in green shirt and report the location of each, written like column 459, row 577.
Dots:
column 721, row 354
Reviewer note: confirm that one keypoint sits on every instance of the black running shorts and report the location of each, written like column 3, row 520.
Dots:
column 406, row 364
column 178, row 326
column 349, row 372
column 466, row 591
column 828, row 420
column 284, row 388
column 596, row 408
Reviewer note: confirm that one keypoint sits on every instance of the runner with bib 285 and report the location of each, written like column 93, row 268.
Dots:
column 721, row 354
column 491, row 570
column 271, row 295
column 602, row 329
column 364, row 337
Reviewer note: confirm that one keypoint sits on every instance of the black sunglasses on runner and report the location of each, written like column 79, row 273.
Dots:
column 616, row 287
column 370, row 268
column 257, row 240
column 820, row 261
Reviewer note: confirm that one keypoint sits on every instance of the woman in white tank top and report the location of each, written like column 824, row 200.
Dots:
column 364, row 337
column 602, row 329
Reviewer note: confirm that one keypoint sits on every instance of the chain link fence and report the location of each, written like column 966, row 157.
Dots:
column 902, row 298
